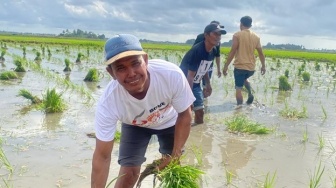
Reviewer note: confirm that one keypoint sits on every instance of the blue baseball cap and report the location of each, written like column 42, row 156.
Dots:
column 120, row 46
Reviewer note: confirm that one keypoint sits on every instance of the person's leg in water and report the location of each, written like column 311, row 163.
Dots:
column 249, row 91
column 198, row 106
column 239, row 83
column 247, row 85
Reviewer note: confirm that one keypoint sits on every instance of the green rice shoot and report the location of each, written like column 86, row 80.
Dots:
column 8, row 75
column 175, row 175
column 28, row 95
column 53, row 102
column 240, row 123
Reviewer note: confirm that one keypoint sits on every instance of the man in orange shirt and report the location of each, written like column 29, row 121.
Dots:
column 244, row 43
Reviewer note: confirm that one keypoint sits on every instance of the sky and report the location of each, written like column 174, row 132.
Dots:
column 310, row 23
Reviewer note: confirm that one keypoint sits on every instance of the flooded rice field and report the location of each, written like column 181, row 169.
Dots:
column 53, row 150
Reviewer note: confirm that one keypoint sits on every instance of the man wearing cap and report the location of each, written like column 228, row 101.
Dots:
column 200, row 38
column 196, row 63
column 244, row 43
column 148, row 97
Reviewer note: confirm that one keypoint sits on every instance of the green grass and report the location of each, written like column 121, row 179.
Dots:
column 98, row 43
column 240, row 123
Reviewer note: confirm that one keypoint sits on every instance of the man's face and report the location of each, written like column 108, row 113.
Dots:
column 131, row 73
column 214, row 38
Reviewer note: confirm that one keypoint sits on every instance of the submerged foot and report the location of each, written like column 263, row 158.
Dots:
column 250, row 99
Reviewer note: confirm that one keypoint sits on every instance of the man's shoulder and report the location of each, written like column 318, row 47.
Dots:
column 160, row 65
column 199, row 38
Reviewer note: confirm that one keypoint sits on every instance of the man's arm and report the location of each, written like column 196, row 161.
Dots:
column 182, row 131
column 101, row 163
column 190, row 78
column 231, row 55
column 262, row 60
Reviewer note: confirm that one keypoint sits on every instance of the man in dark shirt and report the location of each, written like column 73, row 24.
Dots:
column 196, row 63
column 200, row 38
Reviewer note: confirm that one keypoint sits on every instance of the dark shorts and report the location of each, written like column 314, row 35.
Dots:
column 134, row 141
column 240, row 76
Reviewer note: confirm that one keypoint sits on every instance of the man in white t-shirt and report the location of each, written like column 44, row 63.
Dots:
column 149, row 97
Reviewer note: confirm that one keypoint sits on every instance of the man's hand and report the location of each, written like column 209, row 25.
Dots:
column 165, row 160
column 219, row 74
column 225, row 69
column 207, row 91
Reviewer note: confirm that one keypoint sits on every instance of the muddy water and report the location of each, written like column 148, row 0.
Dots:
column 52, row 150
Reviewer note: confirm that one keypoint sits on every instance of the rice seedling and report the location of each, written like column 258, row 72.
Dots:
column 287, row 73
column 293, row 113
column 317, row 66
column 240, row 123
column 19, row 66
column 325, row 115
column 283, row 84
column 53, row 102
column 306, row 76
column 315, row 178
column 92, row 75
column 6, row 182
column 175, row 175
column 8, row 75
column 110, row 183
column 26, row 94
column 305, row 135
column 67, row 65
column 333, row 179
column 2, row 55
column 4, row 160
column 79, row 57
column 321, row 141
column 269, row 181
column 38, row 58
column 24, row 51
column 198, row 154
column 229, row 176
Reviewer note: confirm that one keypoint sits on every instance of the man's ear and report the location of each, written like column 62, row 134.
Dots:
column 145, row 57
column 110, row 71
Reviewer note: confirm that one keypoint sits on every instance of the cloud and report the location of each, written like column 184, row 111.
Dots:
column 172, row 20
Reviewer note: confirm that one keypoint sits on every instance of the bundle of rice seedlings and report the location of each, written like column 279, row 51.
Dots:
column 19, row 66
column 26, row 94
column 67, row 65
column 92, row 75
column 175, row 175
column 283, row 84
column 53, row 102
column 7, row 75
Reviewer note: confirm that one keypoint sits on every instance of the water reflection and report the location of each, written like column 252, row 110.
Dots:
column 236, row 154
column 51, row 121
column 282, row 96
column 91, row 85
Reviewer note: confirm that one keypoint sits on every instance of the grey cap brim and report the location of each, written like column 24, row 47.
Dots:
column 124, row 54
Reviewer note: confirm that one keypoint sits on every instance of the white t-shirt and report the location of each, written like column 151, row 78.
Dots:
column 168, row 94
